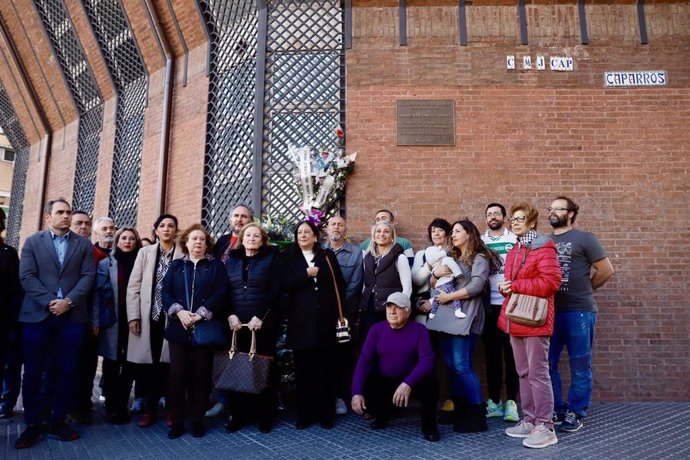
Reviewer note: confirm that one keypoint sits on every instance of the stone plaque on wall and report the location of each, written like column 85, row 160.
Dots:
column 426, row 122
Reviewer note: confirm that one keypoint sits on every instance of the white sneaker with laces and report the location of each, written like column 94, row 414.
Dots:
column 541, row 437
column 510, row 411
column 521, row 430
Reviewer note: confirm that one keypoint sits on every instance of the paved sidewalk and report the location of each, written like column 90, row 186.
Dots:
column 611, row 431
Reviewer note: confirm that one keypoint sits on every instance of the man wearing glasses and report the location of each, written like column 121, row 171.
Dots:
column 496, row 342
column 578, row 253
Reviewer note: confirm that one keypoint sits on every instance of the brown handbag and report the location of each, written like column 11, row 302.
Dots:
column 245, row 372
column 528, row 310
column 342, row 328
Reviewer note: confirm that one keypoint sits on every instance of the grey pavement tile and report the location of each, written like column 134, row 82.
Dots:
column 611, row 431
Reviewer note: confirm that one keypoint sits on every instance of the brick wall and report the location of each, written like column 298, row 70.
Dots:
column 621, row 153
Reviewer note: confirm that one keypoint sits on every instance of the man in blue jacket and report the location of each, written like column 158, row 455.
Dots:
column 57, row 273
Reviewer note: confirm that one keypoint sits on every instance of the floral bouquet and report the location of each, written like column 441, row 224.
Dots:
column 321, row 176
column 280, row 230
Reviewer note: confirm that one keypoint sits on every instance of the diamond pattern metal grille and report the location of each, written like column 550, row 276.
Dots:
column 126, row 67
column 15, row 134
column 228, row 167
column 303, row 101
column 86, row 94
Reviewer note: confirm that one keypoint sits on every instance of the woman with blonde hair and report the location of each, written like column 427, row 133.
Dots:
column 386, row 270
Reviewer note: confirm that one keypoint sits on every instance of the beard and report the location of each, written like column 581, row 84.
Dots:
column 558, row 222
column 495, row 224
column 336, row 236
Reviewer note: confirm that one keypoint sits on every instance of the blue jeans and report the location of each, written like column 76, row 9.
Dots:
column 575, row 331
column 61, row 339
column 464, row 381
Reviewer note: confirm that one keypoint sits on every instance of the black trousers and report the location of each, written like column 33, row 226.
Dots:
column 498, row 351
column 315, row 378
column 378, row 395
column 190, row 373
column 117, row 382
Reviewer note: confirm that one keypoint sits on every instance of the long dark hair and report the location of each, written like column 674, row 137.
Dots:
column 475, row 246
column 160, row 219
column 296, row 250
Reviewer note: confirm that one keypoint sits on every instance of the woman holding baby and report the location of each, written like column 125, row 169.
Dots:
column 458, row 335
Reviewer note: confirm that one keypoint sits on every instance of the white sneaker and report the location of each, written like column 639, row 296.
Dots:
column 521, row 430
column 215, row 410
column 541, row 437
column 340, row 407
column 459, row 314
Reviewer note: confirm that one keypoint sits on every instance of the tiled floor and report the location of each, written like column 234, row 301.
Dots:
column 612, row 431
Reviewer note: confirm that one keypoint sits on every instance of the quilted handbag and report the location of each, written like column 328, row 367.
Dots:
column 528, row 310
column 245, row 372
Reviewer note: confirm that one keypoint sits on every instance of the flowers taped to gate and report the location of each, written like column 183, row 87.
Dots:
column 320, row 176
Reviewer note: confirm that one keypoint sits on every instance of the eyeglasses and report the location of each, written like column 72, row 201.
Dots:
column 556, row 209
column 519, row 220
column 494, row 214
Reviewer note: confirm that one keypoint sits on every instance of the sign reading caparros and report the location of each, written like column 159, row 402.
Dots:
column 641, row 78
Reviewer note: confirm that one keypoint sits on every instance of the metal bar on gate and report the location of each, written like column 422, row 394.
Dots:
column 523, row 22
column 643, row 22
column 262, row 12
column 582, row 13
column 462, row 22
column 403, row 22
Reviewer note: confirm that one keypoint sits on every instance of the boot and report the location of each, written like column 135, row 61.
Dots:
column 475, row 422
column 460, row 413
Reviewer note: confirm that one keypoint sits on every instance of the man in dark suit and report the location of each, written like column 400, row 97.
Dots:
column 57, row 273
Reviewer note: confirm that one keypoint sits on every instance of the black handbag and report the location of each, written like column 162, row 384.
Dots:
column 342, row 327
column 208, row 333
column 245, row 372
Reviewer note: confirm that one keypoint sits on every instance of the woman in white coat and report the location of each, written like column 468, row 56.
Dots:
column 146, row 317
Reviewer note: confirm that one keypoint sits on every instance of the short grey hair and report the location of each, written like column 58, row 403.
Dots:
column 102, row 219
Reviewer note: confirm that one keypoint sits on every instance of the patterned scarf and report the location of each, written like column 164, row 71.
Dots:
column 163, row 262
column 528, row 237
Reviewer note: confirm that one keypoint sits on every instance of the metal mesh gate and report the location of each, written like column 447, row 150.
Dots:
column 304, row 102
column 126, row 67
column 14, row 132
column 295, row 48
column 80, row 79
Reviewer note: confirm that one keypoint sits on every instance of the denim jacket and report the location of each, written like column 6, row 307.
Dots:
column 350, row 260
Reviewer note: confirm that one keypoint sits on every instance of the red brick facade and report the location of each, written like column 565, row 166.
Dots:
column 621, row 153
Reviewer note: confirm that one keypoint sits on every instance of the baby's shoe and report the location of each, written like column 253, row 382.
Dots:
column 460, row 314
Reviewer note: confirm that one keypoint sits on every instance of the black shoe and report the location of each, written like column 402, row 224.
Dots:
column 234, row 425
column 176, row 431
column 379, row 424
column 475, row 422
column 432, row 436
column 265, row 427
column 82, row 417
column 198, row 430
column 118, row 419
column 64, row 432
column 29, row 437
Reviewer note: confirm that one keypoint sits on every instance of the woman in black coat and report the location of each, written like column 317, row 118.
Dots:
column 254, row 285
column 312, row 315
column 189, row 298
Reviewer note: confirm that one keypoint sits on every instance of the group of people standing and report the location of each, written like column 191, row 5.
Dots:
column 139, row 304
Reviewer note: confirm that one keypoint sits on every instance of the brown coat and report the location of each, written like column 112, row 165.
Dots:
column 139, row 294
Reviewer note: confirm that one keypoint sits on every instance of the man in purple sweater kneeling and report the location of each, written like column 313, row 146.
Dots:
column 396, row 362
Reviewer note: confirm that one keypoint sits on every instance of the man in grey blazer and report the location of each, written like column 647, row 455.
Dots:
column 57, row 272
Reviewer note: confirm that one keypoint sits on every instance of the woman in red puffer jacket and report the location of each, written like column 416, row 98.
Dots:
column 531, row 268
